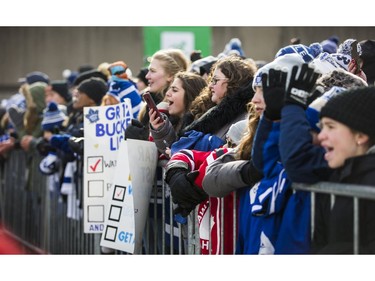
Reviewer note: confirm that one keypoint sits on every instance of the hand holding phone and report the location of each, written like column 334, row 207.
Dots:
column 152, row 105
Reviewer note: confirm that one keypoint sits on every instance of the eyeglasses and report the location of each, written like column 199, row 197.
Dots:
column 215, row 79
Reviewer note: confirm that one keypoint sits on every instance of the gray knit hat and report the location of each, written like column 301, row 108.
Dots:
column 355, row 108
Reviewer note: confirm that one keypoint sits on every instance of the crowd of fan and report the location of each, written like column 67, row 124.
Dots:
column 229, row 124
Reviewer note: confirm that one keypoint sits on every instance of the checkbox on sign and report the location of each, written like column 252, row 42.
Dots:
column 95, row 164
column 115, row 213
column 95, row 213
column 95, row 188
column 110, row 233
column 119, row 193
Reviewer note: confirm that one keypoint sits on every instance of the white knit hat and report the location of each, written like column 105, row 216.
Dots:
column 237, row 131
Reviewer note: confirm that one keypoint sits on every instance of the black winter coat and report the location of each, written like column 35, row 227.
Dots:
column 334, row 228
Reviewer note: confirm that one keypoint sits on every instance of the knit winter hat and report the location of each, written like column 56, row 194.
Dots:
column 234, row 46
column 118, row 70
column 353, row 108
column 284, row 63
column 330, row 45
column 203, row 65
column 368, row 50
column 308, row 53
column 89, row 74
column 52, row 117
column 94, row 88
column 35, row 76
column 62, row 88
column 121, row 89
column 345, row 47
column 325, row 63
column 343, row 55
column 236, row 131
column 368, row 58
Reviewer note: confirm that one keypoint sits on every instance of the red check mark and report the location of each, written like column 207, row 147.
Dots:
column 119, row 193
column 93, row 168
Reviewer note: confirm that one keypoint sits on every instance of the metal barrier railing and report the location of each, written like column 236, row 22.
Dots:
column 35, row 215
column 336, row 189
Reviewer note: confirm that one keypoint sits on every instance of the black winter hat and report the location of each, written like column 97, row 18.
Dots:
column 368, row 50
column 62, row 88
column 88, row 74
column 354, row 108
column 94, row 88
column 368, row 57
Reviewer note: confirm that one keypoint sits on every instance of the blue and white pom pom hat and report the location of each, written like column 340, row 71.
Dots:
column 308, row 53
column 52, row 117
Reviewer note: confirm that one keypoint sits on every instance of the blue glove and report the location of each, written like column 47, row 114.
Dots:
column 61, row 142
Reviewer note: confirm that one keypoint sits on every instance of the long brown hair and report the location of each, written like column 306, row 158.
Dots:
column 246, row 143
column 192, row 84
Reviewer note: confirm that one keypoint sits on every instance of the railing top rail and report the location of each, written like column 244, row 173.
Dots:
column 351, row 190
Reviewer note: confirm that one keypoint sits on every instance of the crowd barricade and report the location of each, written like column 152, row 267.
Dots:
column 334, row 189
column 37, row 216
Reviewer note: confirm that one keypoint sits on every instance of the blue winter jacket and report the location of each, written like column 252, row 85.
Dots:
column 261, row 207
column 304, row 163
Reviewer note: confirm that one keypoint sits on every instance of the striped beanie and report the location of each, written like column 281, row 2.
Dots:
column 308, row 53
column 122, row 89
column 52, row 117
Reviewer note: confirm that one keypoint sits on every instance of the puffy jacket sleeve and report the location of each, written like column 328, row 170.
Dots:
column 303, row 161
column 223, row 176
column 163, row 136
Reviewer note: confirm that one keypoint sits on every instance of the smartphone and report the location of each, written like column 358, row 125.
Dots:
column 355, row 56
column 151, row 104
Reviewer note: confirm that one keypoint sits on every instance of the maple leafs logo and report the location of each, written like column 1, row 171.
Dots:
column 93, row 116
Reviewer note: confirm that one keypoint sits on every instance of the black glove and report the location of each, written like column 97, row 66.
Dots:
column 44, row 147
column 301, row 89
column 250, row 175
column 184, row 192
column 136, row 130
column 77, row 144
column 273, row 85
